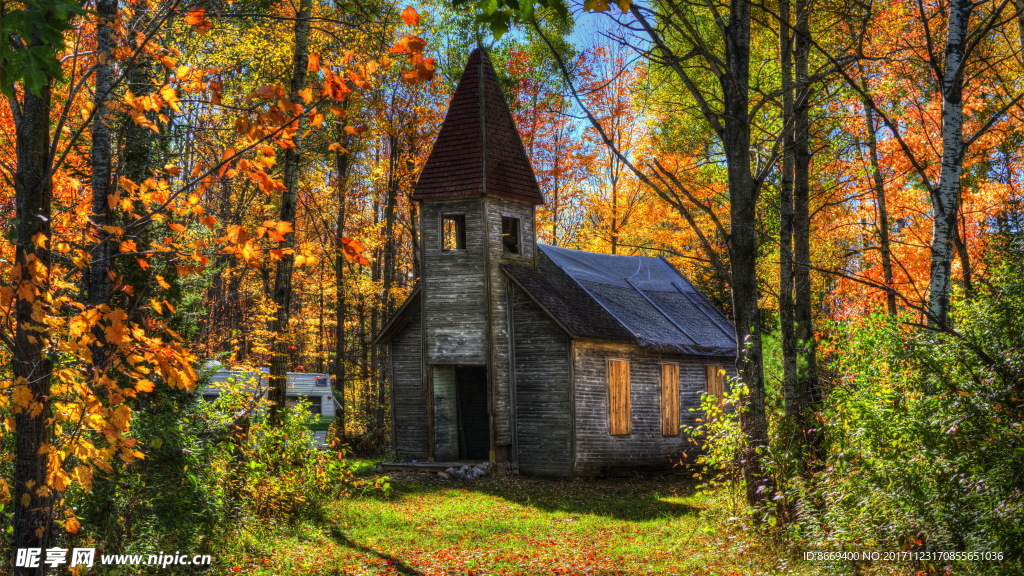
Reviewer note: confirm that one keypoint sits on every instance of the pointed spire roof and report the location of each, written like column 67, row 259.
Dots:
column 478, row 150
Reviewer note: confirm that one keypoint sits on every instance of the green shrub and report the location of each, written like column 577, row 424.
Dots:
column 925, row 435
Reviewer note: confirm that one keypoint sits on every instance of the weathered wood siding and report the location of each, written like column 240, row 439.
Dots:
column 542, row 390
column 409, row 393
column 501, row 396
column 597, row 452
column 454, row 286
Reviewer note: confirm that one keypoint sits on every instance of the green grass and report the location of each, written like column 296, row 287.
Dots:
column 514, row 526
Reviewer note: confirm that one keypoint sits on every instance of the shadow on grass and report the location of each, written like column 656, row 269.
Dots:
column 398, row 565
column 632, row 499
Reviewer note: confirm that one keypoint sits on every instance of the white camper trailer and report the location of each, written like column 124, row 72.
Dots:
column 301, row 385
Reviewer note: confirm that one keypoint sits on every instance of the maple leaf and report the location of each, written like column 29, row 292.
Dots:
column 410, row 16
column 353, row 251
column 196, row 18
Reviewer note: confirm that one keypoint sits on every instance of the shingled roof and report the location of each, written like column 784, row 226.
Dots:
column 636, row 298
column 478, row 150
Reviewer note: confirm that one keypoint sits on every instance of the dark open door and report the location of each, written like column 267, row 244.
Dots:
column 474, row 426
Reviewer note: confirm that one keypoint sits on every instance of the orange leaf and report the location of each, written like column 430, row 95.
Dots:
column 176, row 227
column 197, row 19
column 410, row 16
column 71, row 525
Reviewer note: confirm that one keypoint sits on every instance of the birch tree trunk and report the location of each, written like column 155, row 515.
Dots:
column 282, row 294
column 946, row 195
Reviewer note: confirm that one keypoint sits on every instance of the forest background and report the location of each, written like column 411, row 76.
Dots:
column 187, row 181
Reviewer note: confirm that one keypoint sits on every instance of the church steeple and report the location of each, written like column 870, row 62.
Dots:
column 478, row 150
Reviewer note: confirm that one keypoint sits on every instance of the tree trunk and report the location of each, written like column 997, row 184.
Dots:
column 882, row 207
column 283, row 276
column 31, row 366
column 341, row 162
column 946, row 196
column 388, row 271
column 99, row 283
column 807, row 383
column 787, row 314
column 743, row 193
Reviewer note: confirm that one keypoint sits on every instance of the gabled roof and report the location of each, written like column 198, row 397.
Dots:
column 478, row 150
column 637, row 298
column 401, row 317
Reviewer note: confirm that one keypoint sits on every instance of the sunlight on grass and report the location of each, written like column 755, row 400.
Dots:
column 514, row 526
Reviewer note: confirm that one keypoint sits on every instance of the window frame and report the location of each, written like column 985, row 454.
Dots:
column 518, row 223
column 459, row 218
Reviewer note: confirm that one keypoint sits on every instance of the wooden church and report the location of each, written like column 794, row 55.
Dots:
column 562, row 362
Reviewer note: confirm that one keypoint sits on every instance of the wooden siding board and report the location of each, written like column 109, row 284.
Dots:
column 596, row 451
column 500, row 373
column 542, row 390
column 409, row 398
column 454, row 287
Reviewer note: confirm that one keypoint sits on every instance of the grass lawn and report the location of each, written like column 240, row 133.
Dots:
column 514, row 525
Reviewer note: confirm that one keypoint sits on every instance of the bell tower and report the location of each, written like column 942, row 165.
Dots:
column 477, row 195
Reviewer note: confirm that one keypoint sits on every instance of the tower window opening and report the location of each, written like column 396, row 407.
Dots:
column 510, row 234
column 453, row 232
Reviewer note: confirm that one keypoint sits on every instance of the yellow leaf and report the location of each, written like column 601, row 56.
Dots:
column 596, row 5
column 26, row 499
column 144, row 386
column 39, row 240
column 162, row 282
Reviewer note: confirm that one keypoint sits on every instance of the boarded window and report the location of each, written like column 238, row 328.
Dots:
column 453, row 232
column 669, row 399
column 619, row 417
column 716, row 382
column 510, row 234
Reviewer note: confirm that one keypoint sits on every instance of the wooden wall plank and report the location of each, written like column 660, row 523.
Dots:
column 408, row 395
column 596, row 451
column 542, row 391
